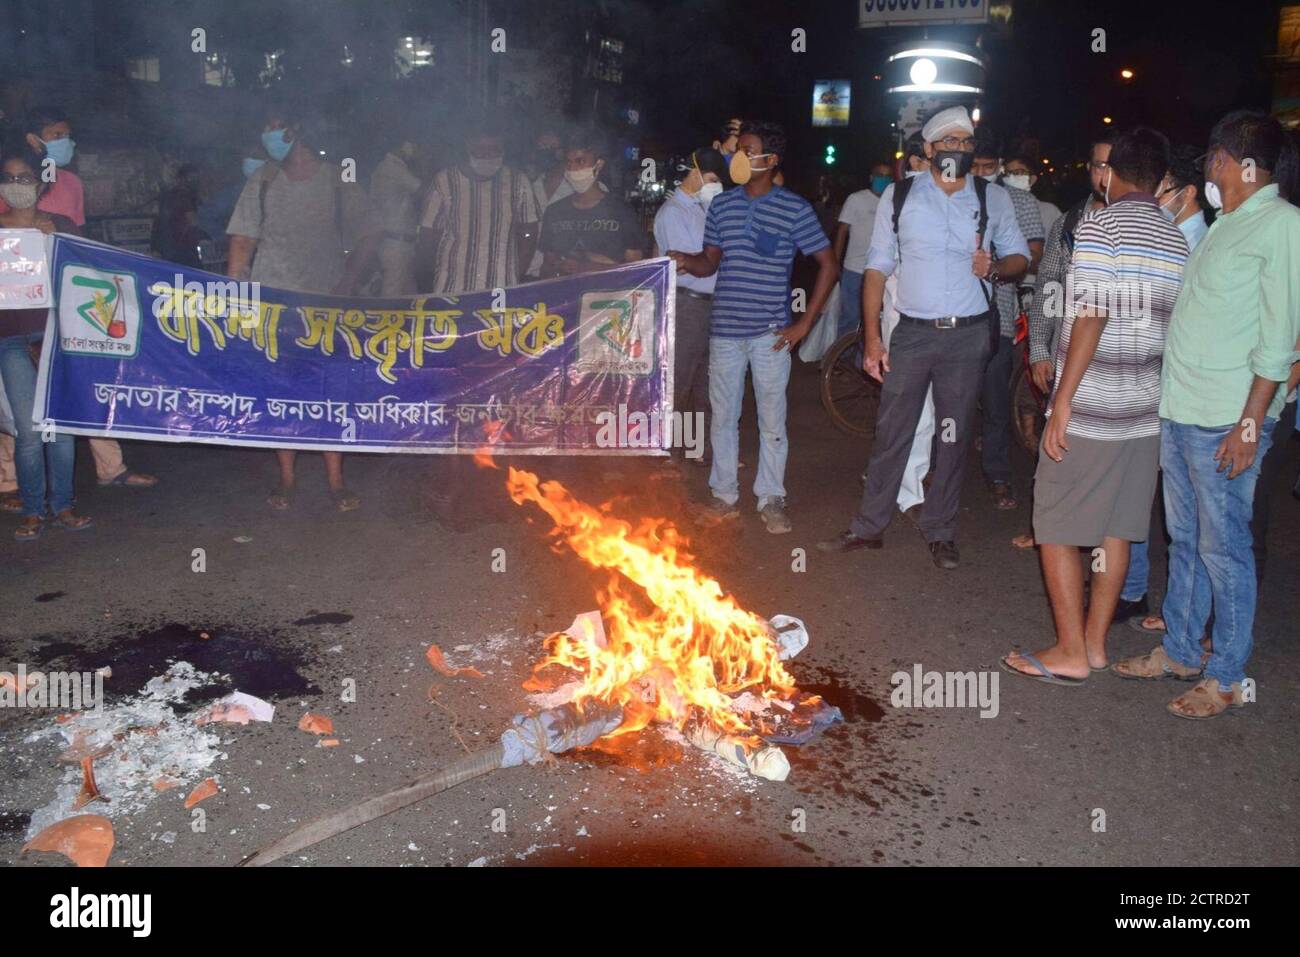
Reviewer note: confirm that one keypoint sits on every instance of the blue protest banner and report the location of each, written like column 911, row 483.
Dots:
column 141, row 348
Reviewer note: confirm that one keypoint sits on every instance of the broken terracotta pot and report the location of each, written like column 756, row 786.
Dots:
column 86, row 840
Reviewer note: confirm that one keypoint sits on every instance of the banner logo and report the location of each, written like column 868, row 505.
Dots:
column 102, row 315
column 617, row 332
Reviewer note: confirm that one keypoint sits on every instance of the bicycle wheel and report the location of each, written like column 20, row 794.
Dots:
column 1027, row 410
column 849, row 395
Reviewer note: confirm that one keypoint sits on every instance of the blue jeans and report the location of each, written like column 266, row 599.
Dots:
column 1210, row 556
column 850, row 302
column 32, row 457
column 1139, row 570
column 728, row 360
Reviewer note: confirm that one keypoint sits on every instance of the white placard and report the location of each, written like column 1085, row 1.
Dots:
column 24, row 269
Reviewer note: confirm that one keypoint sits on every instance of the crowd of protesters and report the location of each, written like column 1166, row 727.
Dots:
column 1167, row 344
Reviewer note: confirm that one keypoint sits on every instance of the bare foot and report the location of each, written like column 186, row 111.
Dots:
column 1054, row 660
column 1024, row 541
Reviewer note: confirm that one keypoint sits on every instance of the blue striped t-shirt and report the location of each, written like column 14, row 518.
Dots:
column 758, row 239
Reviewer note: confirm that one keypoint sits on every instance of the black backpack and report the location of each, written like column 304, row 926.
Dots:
column 902, row 188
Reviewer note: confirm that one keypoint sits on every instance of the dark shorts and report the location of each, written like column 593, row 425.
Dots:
column 1099, row 490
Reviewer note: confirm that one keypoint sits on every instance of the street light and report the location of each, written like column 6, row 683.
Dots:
column 1107, row 120
column 1126, row 73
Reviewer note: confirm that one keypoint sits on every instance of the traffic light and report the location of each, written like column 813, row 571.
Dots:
column 829, row 158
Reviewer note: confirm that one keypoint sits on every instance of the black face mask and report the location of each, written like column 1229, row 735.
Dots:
column 958, row 161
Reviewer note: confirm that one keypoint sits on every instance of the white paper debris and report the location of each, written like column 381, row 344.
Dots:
column 791, row 635
column 237, row 708
column 155, row 742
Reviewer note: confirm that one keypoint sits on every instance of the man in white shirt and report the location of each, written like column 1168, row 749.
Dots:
column 393, row 190
column 679, row 225
column 852, row 238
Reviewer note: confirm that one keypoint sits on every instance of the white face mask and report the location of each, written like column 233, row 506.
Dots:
column 580, row 179
column 20, row 195
column 1018, row 180
column 707, row 193
column 1213, row 195
column 1170, row 214
column 485, row 167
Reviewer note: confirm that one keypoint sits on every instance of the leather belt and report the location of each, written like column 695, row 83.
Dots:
column 946, row 322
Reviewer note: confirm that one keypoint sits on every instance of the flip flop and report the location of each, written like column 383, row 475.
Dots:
column 1045, row 676
column 22, row 535
column 345, row 501
column 79, row 526
column 124, row 480
column 280, row 497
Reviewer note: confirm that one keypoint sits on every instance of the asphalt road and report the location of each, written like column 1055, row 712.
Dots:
column 313, row 599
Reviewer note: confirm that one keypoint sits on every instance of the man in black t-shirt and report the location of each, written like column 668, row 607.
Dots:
column 590, row 230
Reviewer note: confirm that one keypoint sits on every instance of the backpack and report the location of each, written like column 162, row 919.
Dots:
column 901, row 189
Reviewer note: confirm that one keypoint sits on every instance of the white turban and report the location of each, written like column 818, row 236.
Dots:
column 947, row 121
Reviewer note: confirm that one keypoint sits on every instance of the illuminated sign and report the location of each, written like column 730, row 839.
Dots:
column 831, row 103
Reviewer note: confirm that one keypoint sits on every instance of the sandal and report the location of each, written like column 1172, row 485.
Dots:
column 1150, row 625
column 66, row 519
column 1044, row 675
column 344, row 500
column 1205, row 700
column 1153, row 666
column 29, row 531
column 129, row 479
column 1003, row 498
column 280, row 497
column 10, row 502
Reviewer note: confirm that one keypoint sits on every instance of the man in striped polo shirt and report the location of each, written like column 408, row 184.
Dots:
column 750, row 238
column 1097, row 472
column 480, row 220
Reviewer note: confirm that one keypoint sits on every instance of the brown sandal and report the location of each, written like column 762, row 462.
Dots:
column 1205, row 700
column 1153, row 666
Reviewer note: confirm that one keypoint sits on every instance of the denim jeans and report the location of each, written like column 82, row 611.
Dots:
column 1210, row 559
column 728, row 360
column 32, row 456
column 850, row 302
column 1139, row 570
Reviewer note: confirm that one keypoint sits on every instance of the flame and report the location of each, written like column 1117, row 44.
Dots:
column 675, row 658
column 494, row 433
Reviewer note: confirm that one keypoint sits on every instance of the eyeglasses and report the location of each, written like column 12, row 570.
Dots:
column 1017, row 172
column 23, row 179
column 1098, row 166
column 952, row 143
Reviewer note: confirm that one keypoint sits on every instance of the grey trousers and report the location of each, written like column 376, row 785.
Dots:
column 691, row 357
column 953, row 361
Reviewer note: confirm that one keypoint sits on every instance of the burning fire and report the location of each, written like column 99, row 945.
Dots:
column 677, row 660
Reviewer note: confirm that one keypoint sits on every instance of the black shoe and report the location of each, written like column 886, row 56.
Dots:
column 848, row 542
column 1125, row 610
column 944, row 554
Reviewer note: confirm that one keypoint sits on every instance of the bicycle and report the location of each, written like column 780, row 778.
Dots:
column 849, row 395
column 1028, row 402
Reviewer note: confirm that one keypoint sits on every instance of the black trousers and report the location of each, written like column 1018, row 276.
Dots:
column 952, row 360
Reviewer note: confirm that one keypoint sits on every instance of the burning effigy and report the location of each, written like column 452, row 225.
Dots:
column 678, row 652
